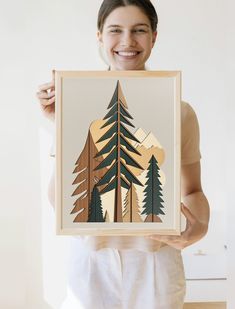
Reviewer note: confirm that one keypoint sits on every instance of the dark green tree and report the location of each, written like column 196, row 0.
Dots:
column 118, row 174
column 95, row 207
column 153, row 193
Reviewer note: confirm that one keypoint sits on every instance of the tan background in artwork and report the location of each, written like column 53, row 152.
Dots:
column 150, row 104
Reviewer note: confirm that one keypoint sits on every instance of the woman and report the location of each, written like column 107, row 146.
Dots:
column 135, row 272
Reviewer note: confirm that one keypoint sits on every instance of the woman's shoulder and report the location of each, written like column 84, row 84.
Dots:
column 190, row 137
column 187, row 112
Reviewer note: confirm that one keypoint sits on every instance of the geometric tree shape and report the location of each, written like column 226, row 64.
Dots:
column 86, row 179
column 95, row 207
column 117, row 159
column 131, row 212
column 153, row 193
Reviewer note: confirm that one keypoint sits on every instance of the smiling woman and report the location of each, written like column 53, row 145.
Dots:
column 136, row 272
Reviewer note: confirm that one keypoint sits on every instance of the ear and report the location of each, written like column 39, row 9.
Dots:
column 154, row 38
column 99, row 36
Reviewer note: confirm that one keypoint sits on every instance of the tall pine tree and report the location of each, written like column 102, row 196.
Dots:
column 85, row 179
column 153, row 193
column 118, row 174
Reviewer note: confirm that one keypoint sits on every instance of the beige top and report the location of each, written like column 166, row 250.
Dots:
column 190, row 153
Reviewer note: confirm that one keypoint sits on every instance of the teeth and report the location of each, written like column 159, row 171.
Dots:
column 127, row 54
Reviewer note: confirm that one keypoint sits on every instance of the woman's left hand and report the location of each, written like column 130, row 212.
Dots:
column 194, row 231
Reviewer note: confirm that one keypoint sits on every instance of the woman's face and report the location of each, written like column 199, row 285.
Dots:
column 127, row 38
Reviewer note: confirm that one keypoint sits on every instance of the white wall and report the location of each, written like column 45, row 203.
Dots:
column 38, row 36
column 230, row 167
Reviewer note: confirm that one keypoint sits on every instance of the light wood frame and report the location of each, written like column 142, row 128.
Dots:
column 63, row 79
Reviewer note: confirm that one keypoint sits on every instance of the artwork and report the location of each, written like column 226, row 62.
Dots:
column 118, row 153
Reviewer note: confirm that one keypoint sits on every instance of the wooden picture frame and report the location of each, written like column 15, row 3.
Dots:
column 118, row 160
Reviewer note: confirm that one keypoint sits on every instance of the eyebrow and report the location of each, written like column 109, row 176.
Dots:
column 139, row 24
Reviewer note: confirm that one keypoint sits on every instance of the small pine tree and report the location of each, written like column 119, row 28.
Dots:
column 106, row 217
column 131, row 212
column 95, row 207
column 153, row 193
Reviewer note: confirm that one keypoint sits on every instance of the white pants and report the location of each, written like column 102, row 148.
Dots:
column 125, row 279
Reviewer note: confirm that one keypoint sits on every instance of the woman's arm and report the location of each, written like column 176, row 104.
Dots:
column 195, row 208
column 195, row 201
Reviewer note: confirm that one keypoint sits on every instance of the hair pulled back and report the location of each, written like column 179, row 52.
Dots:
column 145, row 6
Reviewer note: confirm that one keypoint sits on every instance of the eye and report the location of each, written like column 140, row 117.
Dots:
column 115, row 30
column 140, row 30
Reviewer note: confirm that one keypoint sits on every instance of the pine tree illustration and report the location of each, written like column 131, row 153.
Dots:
column 85, row 179
column 95, row 207
column 131, row 212
column 153, row 193
column 118, row 174
column 106, row 217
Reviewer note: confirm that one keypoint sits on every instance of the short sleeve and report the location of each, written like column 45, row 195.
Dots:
column 190, row 136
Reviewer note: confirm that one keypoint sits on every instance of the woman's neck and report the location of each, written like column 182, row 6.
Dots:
column 113, row 69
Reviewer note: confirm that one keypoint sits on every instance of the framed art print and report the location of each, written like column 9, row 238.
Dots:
column 118, row 152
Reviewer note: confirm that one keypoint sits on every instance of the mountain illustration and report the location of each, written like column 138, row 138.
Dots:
column 147, row 140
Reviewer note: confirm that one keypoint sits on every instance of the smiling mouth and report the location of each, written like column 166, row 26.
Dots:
column 127, row 54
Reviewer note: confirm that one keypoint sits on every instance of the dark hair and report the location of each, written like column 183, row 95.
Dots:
column 145, row 6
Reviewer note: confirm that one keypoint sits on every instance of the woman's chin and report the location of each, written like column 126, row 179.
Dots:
column 126, row 67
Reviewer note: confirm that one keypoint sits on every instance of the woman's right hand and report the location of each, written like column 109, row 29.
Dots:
column 46, row 96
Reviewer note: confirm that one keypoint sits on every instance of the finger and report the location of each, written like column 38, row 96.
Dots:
column 47, row 102
column 177, row 245
column 176, row 242
column 45, row 95
column 52, row 100
column 188, row 214
column 165, row 239
column 47, row 86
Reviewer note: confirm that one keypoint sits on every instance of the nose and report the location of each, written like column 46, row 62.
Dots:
column 127, row 39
